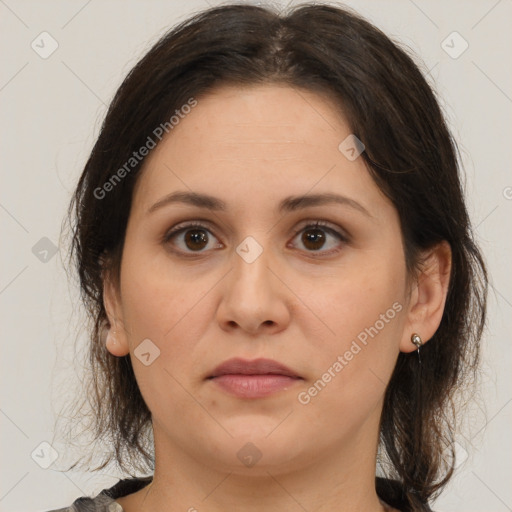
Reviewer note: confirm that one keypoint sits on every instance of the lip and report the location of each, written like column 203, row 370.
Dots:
column 238, row 366
column 253, row 378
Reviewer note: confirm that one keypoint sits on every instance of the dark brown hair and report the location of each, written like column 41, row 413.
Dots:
column 409, row 153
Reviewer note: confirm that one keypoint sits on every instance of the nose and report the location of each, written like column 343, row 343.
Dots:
column 254, row 297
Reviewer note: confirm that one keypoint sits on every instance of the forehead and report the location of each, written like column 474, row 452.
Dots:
column 256, row 141
column 266, row 115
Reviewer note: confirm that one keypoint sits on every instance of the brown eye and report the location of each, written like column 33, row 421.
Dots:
column 313, row 239
column 191, row 238
column 320, row 238
column 196, row 239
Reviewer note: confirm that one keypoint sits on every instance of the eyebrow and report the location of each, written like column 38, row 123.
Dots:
column 289, row 204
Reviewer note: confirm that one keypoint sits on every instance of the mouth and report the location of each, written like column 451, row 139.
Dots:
column 253, row 379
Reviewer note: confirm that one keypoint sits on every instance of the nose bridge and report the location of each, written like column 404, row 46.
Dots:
column 251, row 267
column 252, row 296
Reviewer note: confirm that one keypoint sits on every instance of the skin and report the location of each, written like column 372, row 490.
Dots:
column 300, row 303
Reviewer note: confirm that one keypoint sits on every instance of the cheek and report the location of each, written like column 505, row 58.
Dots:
column 365, row 314
column 164, row 305
column 166, row 308
column 355, row 298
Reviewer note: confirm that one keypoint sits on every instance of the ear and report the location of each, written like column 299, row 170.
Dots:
column 116, row 341
column 428, row 295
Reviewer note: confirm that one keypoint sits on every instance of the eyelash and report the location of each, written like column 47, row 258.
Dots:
column 197, row 225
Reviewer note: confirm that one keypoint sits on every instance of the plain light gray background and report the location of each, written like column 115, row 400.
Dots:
column 51, row 110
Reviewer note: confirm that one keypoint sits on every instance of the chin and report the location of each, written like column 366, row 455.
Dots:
column 259, row 446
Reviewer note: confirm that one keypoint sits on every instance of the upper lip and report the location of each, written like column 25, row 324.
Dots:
column 238, row 366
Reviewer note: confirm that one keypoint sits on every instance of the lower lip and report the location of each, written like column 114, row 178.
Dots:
column 254, row 386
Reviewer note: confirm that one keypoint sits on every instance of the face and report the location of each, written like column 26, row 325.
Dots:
column 259, row 279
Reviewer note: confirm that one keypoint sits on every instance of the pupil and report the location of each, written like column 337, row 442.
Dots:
column 195, row 237
column 316, row 239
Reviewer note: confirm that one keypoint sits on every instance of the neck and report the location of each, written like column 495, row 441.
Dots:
column 341, row 480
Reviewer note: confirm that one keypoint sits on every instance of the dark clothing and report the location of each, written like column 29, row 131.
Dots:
column 388, row 491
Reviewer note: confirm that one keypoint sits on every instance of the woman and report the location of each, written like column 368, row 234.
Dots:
column 272, row 242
